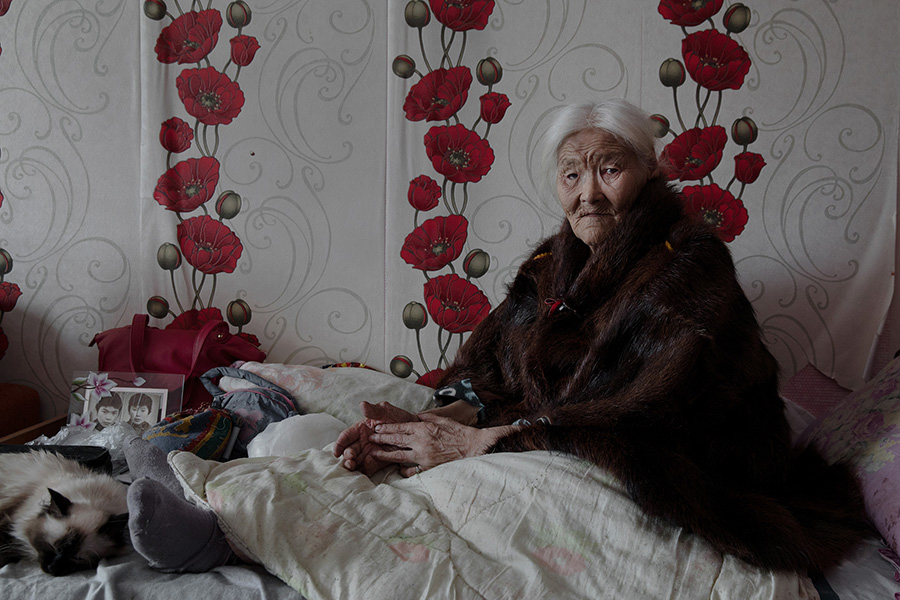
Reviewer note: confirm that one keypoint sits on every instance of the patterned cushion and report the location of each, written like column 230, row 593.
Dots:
column 864, row 429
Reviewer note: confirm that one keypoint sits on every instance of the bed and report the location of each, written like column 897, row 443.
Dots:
column 526, row 525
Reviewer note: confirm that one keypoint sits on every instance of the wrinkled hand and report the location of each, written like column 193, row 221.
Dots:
column 432, row 441
column 355, row 445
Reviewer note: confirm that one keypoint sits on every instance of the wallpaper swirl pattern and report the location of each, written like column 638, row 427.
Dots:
column 321, row 156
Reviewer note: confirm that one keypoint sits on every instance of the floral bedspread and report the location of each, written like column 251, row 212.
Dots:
column 528, row 525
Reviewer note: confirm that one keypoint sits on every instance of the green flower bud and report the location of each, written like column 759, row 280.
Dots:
column 744, row 131
column 238, row 313
column 476, row 263
column 488, row 71
column 157, row 307
column 671, row 72
column 404, row 66
column 736, row 18
column 155, row 9
column 168, row 256
column 417, row 14
column 660, row 126
column 228, row 204
column 6, row 262
column 401, row 366
column 415, row 316
column 238, row 14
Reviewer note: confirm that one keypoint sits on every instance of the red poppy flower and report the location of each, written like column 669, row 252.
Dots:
column 208, row 245
column 455, row 304
column 714, row 60
column 243, row 49
column 462, row 15
column 431, row 378
column 493, row 107
column 175, row 135
column 695, row 153
column 195, row 319
column 189, row 38
column 747, row 166
column 188, row 184
column 4, row 6
column 716, row 207
column 424, row 193
column 4, row 341
column 688, row 13
column 438, row 95
column 435, row 243
column 458, row 154
column 9, row 295
column 210, row 96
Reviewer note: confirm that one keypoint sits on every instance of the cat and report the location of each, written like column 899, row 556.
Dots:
column 59, row 512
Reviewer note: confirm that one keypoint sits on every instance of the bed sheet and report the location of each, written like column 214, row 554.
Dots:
column 865, row 575
column 512, row 525
column 128, row 576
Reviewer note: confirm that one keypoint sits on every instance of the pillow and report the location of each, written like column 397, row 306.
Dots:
column 338, row 391
column 864, row 429
column 296, row 434
column 799, row 419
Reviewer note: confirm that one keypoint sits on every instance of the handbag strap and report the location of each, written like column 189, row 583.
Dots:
column 207, row 332
column 135, row 356
column 138, row 331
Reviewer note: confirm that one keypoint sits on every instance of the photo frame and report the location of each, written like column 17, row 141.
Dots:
column 139, row 407
column 100, row 400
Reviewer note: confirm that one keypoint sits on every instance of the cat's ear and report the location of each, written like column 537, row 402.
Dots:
column 59, row 504
column 116, row 529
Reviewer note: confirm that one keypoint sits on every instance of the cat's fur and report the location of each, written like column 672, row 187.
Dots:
column 58, row 512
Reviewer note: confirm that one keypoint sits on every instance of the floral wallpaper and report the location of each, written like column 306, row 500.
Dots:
column 460, row 155
column 213, row 98
column 289, row 165
column 715, row 62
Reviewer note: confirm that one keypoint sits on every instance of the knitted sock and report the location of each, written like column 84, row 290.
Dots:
column 146, row 460
column 171, row 533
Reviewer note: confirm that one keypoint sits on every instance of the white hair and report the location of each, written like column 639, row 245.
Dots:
column 629, row 124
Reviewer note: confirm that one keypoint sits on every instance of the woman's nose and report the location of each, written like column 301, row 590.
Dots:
column 590, row 190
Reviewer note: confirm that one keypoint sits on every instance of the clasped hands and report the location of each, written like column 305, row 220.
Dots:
column 390, row 435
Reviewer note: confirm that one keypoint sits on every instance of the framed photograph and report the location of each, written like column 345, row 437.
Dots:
column 139, row 407
column 100, row 400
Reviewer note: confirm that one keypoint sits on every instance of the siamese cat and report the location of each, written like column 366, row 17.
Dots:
column 58, row 512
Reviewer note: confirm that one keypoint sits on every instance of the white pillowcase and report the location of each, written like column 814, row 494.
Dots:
column 329, row 400
column 296, row 434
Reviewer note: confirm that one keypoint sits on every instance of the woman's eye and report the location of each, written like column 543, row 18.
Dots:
column 609, row 173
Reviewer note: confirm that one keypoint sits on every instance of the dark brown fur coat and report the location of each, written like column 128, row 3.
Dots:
column 653, row 368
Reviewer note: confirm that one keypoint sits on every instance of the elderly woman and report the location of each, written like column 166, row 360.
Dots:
column 626, row 339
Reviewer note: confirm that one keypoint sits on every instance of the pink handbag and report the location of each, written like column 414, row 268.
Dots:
column 139, row 348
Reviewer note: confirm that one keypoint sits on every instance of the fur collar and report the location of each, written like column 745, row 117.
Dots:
column 582, row 276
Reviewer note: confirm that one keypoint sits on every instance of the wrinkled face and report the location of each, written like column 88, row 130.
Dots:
column 107, row 415
column 597, row 180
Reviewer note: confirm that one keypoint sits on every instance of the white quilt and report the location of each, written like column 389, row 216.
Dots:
column 516, row 525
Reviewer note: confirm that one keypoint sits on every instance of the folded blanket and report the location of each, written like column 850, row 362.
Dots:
column 528, row 525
